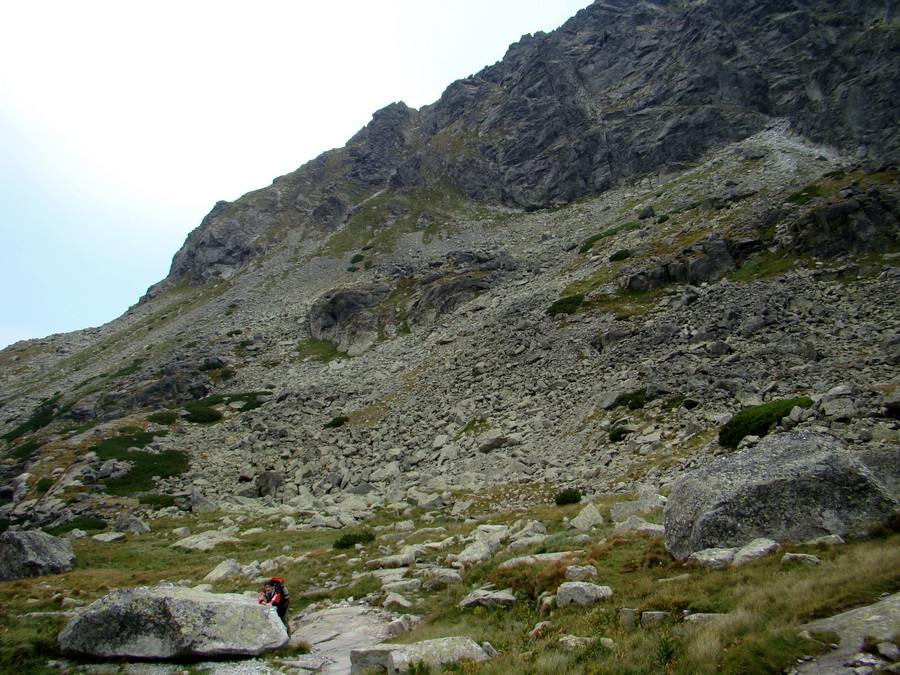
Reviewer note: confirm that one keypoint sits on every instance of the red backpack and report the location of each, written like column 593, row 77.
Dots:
column 282, row 590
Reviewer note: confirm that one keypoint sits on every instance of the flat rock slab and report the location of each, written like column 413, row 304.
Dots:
column 881, row 621
column 334, row 632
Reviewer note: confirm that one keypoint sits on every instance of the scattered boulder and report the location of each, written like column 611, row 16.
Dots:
column 227, row 569
column 109, row 537
column 172, row 622
column 713, row 558
column 589, row 517
column 574, row 642
column 486, row 598
column 125, row 522
column 581, row 593
column 638, row 524
column 32, row 553
column 790, row 487
column 204, row 541
column 754, row 550
column 400, row 658
column 580, row 572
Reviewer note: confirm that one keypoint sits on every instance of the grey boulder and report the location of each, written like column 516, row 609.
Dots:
column 32, row 553
column 790, row 487
column 395, row 658
column 172, row 622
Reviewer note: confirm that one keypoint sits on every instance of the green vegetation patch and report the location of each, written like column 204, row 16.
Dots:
column 768, row 265
column 86, row 523
column 336, row 422
column 351, row 539
column 202, row 415
column 566, row 305
column 593, row 239
column 145, row 464
column 128, row 370
column 807, row 194
column 618, row 433
column 757, row 420
column 25, row 450
column 203, row 411
column 320, row 350
column 158, row 501
column 567, row 496
column 41, row 417
column 163, row 417
column 634, row 400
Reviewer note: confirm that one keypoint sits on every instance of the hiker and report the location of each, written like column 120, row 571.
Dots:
column 274, row 594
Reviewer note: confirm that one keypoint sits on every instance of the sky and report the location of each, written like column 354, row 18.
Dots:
column 122, row 123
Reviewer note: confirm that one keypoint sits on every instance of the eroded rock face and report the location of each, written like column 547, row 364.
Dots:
column 791, row 487
column 33, row 554
column 169, row 622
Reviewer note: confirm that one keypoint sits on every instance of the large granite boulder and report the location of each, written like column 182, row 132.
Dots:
column 33, row 553
column 172, row 622
column 790, row 487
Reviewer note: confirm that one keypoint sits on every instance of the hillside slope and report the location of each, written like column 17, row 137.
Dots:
column 679, row 202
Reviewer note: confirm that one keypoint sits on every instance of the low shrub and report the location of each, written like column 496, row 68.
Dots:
column 805, row 195
column 148, row 465
column 618, row 433
column 336, row 422
column 86, row 523
column 757, row 420
column 621, row 254
column 202, row 415
column 359, row 257
column 351, row 539
column 590, row 241
column 158, row 501
column 320, row 350
column 24, row 451
column 567, row 496
column 145, row 465
column 41, row 417
column 634, row 400
column 164, row 417
column 565, row 305
column 44, row 484
column 128, row 370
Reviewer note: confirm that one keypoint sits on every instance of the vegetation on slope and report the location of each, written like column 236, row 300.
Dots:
column 764, row 601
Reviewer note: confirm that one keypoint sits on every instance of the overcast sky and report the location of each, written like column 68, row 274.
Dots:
column 123, row 122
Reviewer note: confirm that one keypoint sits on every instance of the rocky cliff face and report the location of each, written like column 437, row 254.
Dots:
column 571, row 269
column 623, row 89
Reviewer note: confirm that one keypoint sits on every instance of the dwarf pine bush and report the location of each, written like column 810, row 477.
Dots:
column 567, row 496
column 757, row 420
column 353, row 538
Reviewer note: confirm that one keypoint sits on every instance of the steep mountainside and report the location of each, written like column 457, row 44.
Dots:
column 573, row 268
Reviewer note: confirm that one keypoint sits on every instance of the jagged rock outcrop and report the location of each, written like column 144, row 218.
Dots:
column 172, row 622
column 791, row 487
